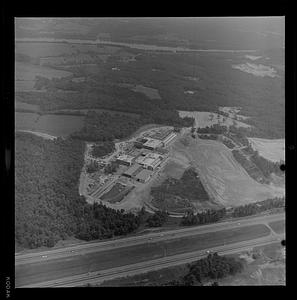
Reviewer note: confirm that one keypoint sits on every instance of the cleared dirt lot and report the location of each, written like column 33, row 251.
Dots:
column 225, row 180
column 205, row 118
column 273, row 150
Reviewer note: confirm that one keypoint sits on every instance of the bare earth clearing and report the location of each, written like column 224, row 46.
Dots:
column 273, row 150
column 225, row 180
column 204, row 119
column 256, row 70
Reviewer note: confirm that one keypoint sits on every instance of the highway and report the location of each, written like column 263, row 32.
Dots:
column 153, row 265
column 140, row 253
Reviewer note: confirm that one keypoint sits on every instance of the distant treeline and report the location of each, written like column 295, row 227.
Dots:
column 107, row 127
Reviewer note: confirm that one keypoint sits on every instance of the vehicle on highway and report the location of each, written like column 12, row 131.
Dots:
column 44, row 256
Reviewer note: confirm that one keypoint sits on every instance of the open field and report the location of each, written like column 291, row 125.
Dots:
column 96, row 261
column 204, row 119
column 147, row 91
column 278, row 226
column 224, row 179
column 56, row 125
column 26, row 106
column 25, row 75
column 256, row 70
column 273, row 150
column 44, row 135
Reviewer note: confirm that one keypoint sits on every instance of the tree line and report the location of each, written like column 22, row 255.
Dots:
column 258, row 207
column 213, row 267
column 208, row 216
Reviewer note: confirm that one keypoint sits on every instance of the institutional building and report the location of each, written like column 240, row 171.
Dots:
column 133, row 170
column 150, row 161
column 144, row 175
column 125, row 159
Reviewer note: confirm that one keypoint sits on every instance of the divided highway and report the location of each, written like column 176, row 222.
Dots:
column 69, row 266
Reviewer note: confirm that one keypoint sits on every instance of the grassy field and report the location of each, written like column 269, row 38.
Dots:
column 25, row 75
column 273, row 150
column 278, row 226
column 56, row 125
column 26, row 106
column 221, row 175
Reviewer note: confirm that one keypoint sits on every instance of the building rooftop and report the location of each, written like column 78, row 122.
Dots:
column 152, row 143
column 143, row 174
column 133, row 170
column 125, row 157
column 161, row 134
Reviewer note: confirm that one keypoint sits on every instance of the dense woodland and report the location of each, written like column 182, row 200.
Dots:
column 258, row 207
column 102, row 149
column 209, row 216
column 107, row 127
column 47, row 205
column 158, row 219
column 213, row 267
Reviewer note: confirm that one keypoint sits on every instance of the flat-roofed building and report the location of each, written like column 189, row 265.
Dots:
column 161, row 134
column 135, row 153
column 125, row 159
column 133, row 170
column 144, row 175
column 150, row 161
column 152, row 144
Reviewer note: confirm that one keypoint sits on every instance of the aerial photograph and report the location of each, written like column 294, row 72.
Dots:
column 149, row 151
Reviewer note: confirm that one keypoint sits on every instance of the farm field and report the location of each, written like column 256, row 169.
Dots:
column 25, row 75
column 204, row 119
column 224, row 179
column 147, row 91
column 86, row 110
column 22, row 105
column 56, row 125
column 273, row 150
